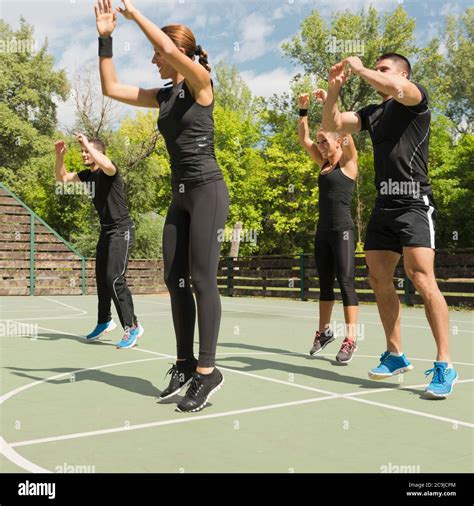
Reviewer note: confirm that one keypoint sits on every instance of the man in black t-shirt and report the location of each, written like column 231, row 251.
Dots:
column 403, row 219
column 117, row 233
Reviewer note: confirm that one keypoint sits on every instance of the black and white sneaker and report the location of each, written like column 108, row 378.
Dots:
column 321, row 340
column 202, row 387
column 181, row 376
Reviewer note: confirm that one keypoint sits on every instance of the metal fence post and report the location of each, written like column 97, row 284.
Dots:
column 302, row 274
column 407, row 289
column 83, row 276
column 230, row 267
column 32, row 254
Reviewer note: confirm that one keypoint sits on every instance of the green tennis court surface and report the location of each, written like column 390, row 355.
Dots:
column 73, row 406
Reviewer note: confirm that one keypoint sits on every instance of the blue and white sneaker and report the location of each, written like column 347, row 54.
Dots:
column 131, row 336
column 389, row 366
column 101, row 329
column 443, row 381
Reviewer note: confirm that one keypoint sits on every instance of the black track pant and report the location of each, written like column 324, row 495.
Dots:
column 191, row 247
column 113, row 251
column 334, row 253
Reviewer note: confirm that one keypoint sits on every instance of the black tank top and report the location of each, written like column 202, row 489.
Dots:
column 188, row 130
column 335, row 196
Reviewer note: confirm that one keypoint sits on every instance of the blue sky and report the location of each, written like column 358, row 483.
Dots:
column 258, row 26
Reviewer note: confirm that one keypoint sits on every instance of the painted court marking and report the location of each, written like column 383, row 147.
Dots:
column 336, row 310
column 167, row 313
column 265, row 378
column 65, row 305
column 7, row 448
column 312, row 317
column 16, row 458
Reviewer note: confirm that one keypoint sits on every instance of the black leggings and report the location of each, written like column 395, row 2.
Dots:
column 191, row 247
column 112, row 254
column 334, row 254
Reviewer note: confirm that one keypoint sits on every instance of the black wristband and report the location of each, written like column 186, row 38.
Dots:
column 303, row 112
column 105, row 47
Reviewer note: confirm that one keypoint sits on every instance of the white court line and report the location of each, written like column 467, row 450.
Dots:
column 244, row 373
column 82, row 311
column 238, row 353
column 63, row 304
column 413, row 412
column 16, row 458
column 16, row 391
column 72, row 317
column 248, row 312
column 426, row 327
column 6, row 449
column 228, row 309
column 31, row 310
column 407, row 387
column 168, row 422
column 267, row 407
column 314, row 309
column 66, row 317
column 162, row 355
column 318, row 390
column 263, row 306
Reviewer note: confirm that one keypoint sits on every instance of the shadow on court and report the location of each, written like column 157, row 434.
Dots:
column 258, row 364
column 57, row 336
column 130, row 383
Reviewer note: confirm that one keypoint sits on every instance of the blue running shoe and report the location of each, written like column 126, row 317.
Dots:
column 443, row 381
column 389, row 366
column 101, row 329
column 131, row 336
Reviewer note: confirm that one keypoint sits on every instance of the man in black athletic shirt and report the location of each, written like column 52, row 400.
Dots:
column 404, row 214
column 116, row 237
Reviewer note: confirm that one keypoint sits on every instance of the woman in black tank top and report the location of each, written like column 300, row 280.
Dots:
column 200, row 199
column 334, row 240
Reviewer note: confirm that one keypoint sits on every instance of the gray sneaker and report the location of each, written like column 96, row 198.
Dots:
column 321, row 340
column 347, row 350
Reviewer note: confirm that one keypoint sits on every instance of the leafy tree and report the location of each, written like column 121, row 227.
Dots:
column 28, row 86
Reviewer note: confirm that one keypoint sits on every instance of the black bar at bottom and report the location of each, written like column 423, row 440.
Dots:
column 237, row 489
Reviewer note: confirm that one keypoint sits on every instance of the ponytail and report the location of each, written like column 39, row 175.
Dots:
column 202, row 57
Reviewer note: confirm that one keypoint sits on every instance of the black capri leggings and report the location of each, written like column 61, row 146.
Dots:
column 334, row 254
column 191, row 247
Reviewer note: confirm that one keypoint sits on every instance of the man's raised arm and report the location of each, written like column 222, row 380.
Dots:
column 333, row 119
column 62, row 175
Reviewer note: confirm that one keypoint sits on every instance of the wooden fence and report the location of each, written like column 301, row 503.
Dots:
column 35, row 260
column 144, row 276
column 295, row 276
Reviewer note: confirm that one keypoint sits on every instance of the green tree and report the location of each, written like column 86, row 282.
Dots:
column 28, row 87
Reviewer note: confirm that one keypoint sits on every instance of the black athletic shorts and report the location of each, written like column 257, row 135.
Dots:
column 392, row 229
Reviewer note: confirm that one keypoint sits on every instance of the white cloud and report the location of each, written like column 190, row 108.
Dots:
column 66, row 114
column 267, row 83
column 451, row 9
column 253, row 39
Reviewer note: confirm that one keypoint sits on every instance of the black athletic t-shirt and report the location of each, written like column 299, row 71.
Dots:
column 400, row 136
column 334, row 204
column 188, row 130
column 108, row 197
